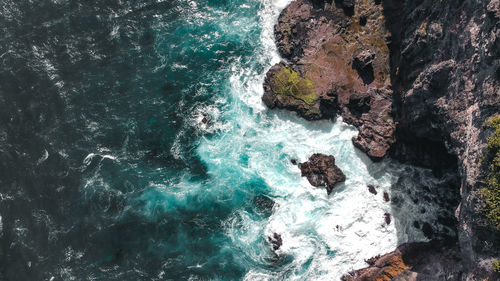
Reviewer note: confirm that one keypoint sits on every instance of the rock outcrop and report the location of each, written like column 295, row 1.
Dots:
column 445, row 65
column 337, row 63
column 321, row 171
column 411, row 262
column 275, row 240
column 417, row 78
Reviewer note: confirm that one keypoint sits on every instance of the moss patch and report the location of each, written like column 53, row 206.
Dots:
column 491, row 192
column 496, row 266
column 289, row 84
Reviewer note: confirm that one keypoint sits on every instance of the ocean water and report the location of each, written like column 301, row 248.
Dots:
column 108, row 171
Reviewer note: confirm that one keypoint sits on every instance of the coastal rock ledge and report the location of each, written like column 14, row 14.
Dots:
column 337, row 64
column 411, row 262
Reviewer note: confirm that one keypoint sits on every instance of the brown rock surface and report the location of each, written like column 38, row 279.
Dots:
column 411, row 262
column 347, row 62
column 321, row 170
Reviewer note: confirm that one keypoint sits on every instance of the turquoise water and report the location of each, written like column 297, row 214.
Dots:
column 126, row 181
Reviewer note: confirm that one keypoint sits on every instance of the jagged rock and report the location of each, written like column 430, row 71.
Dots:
column 285, row 88
column 206, row 119
column 494, row 8
column 372, row 189
column 321, row 170
column 359, row 103
column 347, row 63
column 386, row 197
column 412, row 262
column 363, row 64
column 387, row 218
column 276, row 241
column 436, row 74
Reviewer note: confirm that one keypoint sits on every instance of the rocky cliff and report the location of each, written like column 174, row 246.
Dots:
column 446, row 73
column 418, row 78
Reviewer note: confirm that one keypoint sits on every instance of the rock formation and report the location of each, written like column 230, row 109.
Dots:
column 276, row 241
column 337, row 64
column 411, row 262
column 321, row 170
column 445, row 64
column 417, row 78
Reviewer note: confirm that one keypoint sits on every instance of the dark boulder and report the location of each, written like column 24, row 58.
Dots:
column 206, row 119
column 386, row 197
column 387, row 218
column 276, row 241
column 372, row 189
column 321, row 171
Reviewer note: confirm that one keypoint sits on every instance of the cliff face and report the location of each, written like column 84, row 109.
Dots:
column 446, row 69
column 418, row 79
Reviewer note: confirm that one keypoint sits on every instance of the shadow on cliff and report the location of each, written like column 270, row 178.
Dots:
column 440, row 184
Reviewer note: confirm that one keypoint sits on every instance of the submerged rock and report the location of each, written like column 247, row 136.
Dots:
column 264, row 204
column 321, row 170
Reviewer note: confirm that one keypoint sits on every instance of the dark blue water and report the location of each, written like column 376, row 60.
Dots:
column 108, row 172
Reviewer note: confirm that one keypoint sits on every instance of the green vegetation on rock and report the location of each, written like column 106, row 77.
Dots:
column 491, row 192
column 496, row 266
column 289, row 84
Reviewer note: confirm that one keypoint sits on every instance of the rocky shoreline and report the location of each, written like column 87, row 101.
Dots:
column 418, row 79
column 412, row 261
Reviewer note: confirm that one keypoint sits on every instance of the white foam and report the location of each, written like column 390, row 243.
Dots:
column 327, row 236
